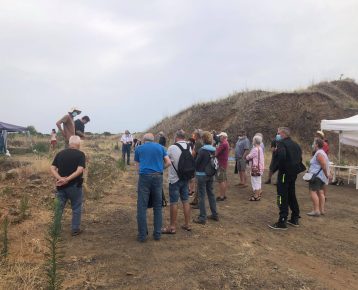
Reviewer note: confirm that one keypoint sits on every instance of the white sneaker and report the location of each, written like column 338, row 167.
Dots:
column 313, row 213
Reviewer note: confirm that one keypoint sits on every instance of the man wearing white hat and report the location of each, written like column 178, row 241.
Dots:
column 222, row 154
column 68, row 129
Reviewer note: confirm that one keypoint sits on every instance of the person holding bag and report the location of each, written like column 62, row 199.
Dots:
column 256, row 158
column 319, row 176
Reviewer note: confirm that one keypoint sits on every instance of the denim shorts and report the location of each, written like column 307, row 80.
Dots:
column 221, row 175
column 241, row 165
column 179, row 188
column 315, row 184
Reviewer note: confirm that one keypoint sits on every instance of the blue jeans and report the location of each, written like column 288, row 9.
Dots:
column 149, row 184
column 74, row 194
column 205, row 185
column 179, row 188
column 126, row 150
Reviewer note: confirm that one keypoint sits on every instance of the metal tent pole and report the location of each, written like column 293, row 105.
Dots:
column 339, row 147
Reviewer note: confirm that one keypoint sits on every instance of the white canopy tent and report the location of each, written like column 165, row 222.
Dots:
column 346, row 128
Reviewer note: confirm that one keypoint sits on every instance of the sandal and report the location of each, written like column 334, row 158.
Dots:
column 168, row 231
column 186, row 228
column 255, row 198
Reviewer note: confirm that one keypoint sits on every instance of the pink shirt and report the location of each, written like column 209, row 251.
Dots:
column 253, row 157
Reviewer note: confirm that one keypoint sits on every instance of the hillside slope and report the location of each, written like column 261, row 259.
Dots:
column 262, row 111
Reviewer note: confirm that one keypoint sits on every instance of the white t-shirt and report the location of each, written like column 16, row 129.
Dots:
column 174, row 153
column 126, row 138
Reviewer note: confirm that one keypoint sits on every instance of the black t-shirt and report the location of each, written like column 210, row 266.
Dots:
column 67, row 162
column 162, row 141
column 79, row 126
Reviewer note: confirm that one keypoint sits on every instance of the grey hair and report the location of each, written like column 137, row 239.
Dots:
column 180, row 134
column 257, row 140
column 285, row 130
column 76, row 140
column 148, row 137
column 198, row 132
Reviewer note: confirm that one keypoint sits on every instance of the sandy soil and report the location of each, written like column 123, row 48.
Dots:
column 238, row 252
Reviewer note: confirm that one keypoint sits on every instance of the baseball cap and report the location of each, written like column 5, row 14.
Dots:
column 320, row 133
column 223, row 134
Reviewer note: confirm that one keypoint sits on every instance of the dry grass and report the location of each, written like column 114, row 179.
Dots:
column 22, row 275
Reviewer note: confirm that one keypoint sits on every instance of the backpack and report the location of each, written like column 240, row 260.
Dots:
column 186, row 164
column 213, row 165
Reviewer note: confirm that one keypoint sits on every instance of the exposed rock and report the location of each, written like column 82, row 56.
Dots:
column 34, row 177
column 36, row 181
column 11, row 174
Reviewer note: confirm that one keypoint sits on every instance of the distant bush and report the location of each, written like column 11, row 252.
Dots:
column 41, row 147
column 32, row 130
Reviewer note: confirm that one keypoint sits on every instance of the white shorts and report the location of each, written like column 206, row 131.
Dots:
column 256, row 182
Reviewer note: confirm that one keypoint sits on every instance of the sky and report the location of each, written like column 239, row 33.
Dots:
column 128, row 64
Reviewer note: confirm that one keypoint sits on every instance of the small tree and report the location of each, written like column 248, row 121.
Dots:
column 32, row 130
column 54, row 255
column 5, row 240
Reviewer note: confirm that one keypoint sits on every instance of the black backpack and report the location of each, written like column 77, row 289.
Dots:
column 213, row 165
column 186, row 164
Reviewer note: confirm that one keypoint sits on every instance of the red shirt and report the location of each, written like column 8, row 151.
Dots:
column 222, row 154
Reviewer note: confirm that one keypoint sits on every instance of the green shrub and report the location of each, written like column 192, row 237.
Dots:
column 24, row 206
column 102, row 172
column 5, row 240
column 41, row 147
column 121, row 164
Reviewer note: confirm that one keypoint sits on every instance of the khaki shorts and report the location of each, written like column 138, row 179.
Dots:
column 241, row 165
column 221, row 175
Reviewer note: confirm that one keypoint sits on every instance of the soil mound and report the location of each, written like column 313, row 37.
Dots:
column 263, row 111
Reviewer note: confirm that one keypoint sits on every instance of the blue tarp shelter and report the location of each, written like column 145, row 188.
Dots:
column 6, row 128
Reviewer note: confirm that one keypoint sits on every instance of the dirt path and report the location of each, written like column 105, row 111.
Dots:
column 239, row 252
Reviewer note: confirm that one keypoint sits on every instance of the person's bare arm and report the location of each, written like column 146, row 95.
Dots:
column 54, row 172
column 75, row 174
column 59, row 124
column 167, row 162
column 81, row 134
column 246, row 152
column 322, row 161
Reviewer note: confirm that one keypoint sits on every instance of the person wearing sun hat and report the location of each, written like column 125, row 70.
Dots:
column 222, row 154
column 320, row 135
column 66, row 125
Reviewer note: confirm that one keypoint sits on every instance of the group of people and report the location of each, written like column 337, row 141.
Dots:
column 69, row 164
column 194, row 164
column 152, row 159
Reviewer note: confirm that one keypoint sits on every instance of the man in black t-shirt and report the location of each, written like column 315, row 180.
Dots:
column 68, row 167
column 80, row 126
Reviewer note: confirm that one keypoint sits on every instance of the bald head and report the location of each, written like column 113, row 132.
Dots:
column 74, row 142
column 148, row 137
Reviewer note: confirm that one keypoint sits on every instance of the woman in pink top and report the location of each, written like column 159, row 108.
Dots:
column 257, row 162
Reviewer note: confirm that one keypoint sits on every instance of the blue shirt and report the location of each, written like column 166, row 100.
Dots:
column 241, row 145
column 150, row 156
